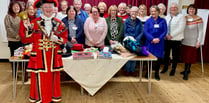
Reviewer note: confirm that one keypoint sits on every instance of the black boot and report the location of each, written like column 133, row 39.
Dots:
column 157, row 76
column 173, row 70
column 184, row 71
column 186, row 74
column 165, row 69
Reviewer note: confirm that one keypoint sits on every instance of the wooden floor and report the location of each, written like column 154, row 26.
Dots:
column 122, row 89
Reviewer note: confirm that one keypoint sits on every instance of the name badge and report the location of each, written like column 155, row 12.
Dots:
column 191, row 19
column 101, row 25
column 74, row 28
column 156, row 26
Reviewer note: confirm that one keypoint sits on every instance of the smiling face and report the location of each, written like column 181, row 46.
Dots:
column 191, row 11
column 31, row 11
column 113, row 12
column 101, row 9
column 154, row 12
column 133, row 13
column 122, row 9
column 71, row 14
column 64, row 6
column 161, row 10
column 47, row 9
column 95, row 13
column 16, row 8
column 173, row 9
column 142, row 10
column 77, row 5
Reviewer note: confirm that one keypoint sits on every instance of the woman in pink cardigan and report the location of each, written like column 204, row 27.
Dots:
column 95, row 29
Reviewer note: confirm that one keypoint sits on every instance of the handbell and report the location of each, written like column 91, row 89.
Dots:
column 23, row 15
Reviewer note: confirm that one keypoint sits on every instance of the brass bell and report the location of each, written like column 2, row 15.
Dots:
column 23, row 15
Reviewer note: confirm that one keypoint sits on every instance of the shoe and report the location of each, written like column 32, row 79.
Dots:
column 164, row 70
column 127, row 73
column 157, row 76
column 172, row 73
column 185, row 77
column 133, row 74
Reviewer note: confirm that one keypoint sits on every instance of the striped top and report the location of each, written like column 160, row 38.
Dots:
column 193, row 32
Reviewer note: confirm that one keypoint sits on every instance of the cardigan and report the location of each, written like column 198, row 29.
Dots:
column 152, row 32
column 177, row 26
column 120, row 30
column 95, row 32
column 83, row 15
column 135, row 31
column 80, row 38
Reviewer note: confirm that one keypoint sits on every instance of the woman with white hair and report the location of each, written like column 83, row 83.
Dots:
column 122, row 11
column 162, row 10
column 132, row 27
column 87, row 8
column 62, row 14
column 176, row 25
column 83, row 15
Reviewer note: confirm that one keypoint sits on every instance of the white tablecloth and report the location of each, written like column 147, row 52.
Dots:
column 92, row 74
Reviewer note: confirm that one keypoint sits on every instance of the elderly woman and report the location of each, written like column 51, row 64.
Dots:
column 143, row 13
column 193, row 34
column 122, row 11
column 95, row 29
column 25, row 22
column 87, row 8
column 102, row 9
column 75, row 27
column 155, row 30
column 176, row 24
column 47, row 34
column 83, row 15
column 62, row 14
column 115, row 26
column 133, row 27
column 162, row 9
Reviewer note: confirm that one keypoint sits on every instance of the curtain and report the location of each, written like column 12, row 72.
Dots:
column 203, row 4
column 148, row 3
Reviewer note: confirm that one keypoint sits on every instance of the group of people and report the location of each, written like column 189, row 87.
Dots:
column 98, row 26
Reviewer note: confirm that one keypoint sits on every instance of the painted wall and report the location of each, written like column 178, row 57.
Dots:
column 4, row 50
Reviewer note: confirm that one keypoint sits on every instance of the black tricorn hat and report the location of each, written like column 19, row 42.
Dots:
column 38, row 3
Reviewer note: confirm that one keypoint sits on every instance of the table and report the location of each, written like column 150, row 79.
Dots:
column 14, row 75
column 92, row 74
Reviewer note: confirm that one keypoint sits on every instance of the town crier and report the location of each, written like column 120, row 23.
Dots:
column 46, row 33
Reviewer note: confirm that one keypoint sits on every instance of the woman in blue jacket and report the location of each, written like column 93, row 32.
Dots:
column 155, row 30
column 75, row 27
column 133, row 27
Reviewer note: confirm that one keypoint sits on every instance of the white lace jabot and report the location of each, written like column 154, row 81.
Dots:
column 48, row 23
